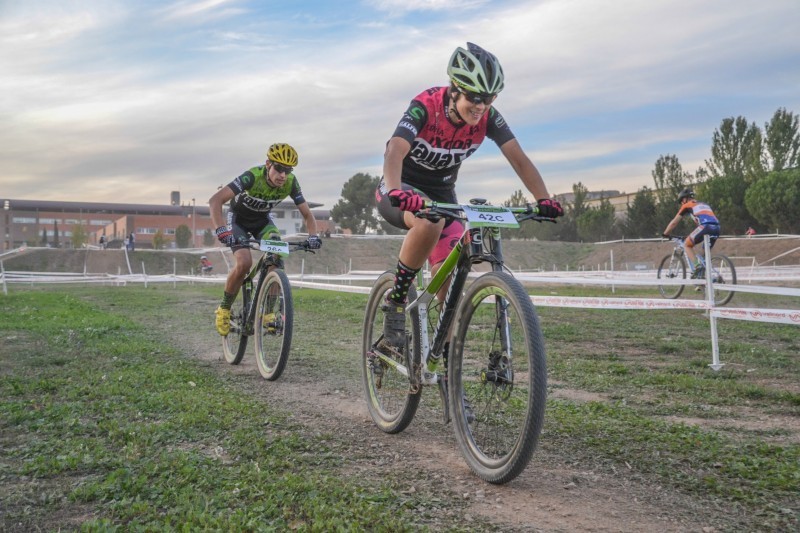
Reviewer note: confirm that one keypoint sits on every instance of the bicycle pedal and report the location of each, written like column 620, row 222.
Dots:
column 375, row 366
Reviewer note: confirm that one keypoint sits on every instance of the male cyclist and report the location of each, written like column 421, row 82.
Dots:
column 707, row 224
column 441, row 127
column 252, row 197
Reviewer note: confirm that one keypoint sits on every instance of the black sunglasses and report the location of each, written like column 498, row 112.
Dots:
column 476, row 98
column 281, row 169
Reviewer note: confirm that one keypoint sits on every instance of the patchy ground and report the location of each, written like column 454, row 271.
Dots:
column 555, row 493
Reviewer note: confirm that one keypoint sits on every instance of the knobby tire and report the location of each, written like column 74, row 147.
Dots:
column 672, row 267
column 391, row 401
column 273, row 325
column 497, row 403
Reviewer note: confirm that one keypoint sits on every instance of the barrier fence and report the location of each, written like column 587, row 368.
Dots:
column 361, row 282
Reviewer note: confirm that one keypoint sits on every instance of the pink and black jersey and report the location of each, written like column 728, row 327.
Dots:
column 438, row 146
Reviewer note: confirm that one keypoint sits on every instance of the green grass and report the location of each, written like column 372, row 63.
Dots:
column 108, row 420
column 120, row 429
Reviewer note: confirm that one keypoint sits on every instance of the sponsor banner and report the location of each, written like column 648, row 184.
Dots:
column 617, row 303
column 781, row 316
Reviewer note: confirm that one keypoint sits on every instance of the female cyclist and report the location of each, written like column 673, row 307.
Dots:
column 441, row 127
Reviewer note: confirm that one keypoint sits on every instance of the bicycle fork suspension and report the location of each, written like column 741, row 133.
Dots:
column 499, row 370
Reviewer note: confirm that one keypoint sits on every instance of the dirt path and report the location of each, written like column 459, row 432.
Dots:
column 553, row 494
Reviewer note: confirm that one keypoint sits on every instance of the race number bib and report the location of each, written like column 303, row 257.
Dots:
column 490, row 216
column 276, row 247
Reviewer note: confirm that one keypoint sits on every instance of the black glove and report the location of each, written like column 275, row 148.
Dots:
column 314, row 242
column 666, row 235
column 225, row 235
column 549, row 208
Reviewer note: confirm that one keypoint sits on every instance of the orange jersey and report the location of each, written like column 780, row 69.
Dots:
column 701, row 213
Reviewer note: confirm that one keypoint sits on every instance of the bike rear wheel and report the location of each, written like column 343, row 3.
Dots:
column 722, row 271
column 391, row 402
column 274, row 321
column 234, row 344
column 497, row 377
column 672, row 267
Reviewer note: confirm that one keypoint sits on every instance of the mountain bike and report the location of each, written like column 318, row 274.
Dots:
column 482, row 346
column 265, row 310
column 675, row 266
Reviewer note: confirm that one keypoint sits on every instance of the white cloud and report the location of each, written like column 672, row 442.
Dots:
column 630, row 78
column 397, row 6
column 205, row 10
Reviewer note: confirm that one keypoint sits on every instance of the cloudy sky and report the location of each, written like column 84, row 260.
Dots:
column 125, row 101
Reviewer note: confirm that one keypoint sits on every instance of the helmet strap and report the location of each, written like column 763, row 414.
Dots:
column 451, row 106
column 266, row 177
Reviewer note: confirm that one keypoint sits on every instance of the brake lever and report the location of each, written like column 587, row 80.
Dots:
column 536, row 218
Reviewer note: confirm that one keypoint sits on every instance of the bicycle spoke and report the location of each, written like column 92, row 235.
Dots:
column 273, row 326
column 234, row 345
column 672, row 268
column 499, row 372
column 391, row 402
column 722, row 272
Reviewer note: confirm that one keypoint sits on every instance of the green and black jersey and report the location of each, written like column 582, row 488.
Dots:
column 254, row 198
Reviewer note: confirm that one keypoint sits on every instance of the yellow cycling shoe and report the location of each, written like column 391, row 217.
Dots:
column 269, row 322
column 223, row 321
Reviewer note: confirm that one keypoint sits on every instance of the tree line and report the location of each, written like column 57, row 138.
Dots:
column 751, row 180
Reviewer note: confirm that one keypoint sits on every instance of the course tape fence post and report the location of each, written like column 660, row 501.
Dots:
column 715, row 362
column 344, row 283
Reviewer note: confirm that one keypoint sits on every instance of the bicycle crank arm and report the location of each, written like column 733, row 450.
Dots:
column 400, row 367
column 445, row 401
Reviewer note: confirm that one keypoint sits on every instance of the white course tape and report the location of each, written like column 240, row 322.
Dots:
column 617, row 303
column 782, row 316
column 332, row 287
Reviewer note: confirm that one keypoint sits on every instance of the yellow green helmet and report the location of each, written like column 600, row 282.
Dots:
column 283, row 154
column 476, row 70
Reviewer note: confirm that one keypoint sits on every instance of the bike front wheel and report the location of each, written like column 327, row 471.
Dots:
column 273, row 324
column 391, row 401
column 497, row 373
column 234, row 344
column 722, row 271
column 672, row 267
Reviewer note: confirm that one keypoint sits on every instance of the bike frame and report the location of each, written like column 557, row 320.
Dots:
column 680, row 249
column 254, row 278
column 476, row 245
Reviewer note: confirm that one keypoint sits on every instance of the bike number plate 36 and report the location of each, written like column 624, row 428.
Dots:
column 276, row 247
column 490, row 216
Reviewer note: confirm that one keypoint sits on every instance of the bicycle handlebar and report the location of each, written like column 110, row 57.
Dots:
column 255, row 244
column 435, row 210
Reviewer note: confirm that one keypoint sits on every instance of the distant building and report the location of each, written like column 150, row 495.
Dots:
column 30, row 222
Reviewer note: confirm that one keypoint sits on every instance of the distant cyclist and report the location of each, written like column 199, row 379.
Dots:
column 441, row 128
column 252, row 197
column 205, row 265
column 707, row 224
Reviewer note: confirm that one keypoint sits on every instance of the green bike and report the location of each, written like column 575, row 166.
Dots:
column 493, row 378
column 264, row 310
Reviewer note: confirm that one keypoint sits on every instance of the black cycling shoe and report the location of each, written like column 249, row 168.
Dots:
column 394, row 324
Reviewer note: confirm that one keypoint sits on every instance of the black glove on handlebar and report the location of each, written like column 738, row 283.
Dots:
column 314, row 242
